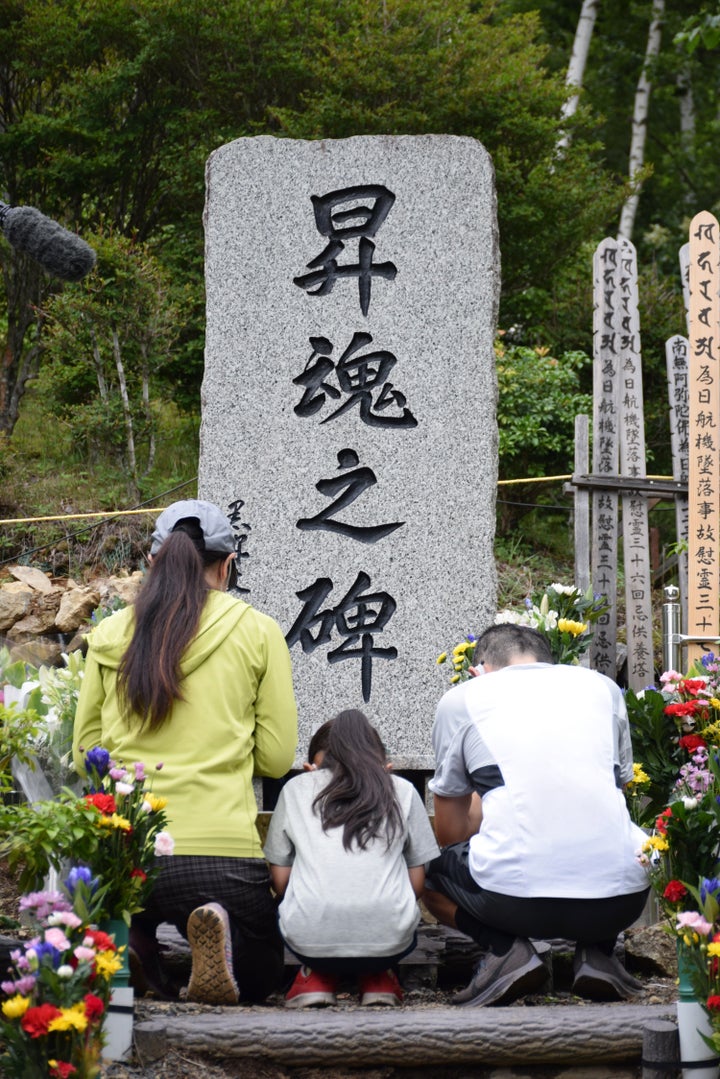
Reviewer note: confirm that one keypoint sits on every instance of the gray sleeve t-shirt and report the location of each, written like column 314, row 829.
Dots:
column 342, row 903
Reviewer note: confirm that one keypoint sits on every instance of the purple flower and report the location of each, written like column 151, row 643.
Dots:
column 42, row 904
column 709, row 886
column 43, row 949
column 97, row 760
column 80, row 874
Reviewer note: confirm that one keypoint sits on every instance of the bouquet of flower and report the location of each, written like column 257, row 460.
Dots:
column 461, row 658
column 57, row 994
column 131, row 833
column 564, row 614
column 698, row 933
column 116, row 827
column 675, row 732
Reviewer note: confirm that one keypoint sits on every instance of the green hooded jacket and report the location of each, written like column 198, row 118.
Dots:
column 237, row 718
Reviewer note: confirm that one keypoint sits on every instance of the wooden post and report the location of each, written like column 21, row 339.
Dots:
column 636, row 547
column 676, row 355
column 605, row 451
column 704, row 416
column 581, row 506
column 660, row 1050
column 684, row 257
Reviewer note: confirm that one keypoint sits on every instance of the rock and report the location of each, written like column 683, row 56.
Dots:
column 651, row 950
column 34, row 577
column 14, row 605
column 126, row 587
column 40, row 618
column 76, row 606
column 39, row 651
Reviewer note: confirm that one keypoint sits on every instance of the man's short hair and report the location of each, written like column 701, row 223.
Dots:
column 499, row 646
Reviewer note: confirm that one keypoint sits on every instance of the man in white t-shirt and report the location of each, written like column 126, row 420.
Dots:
column 537, row 841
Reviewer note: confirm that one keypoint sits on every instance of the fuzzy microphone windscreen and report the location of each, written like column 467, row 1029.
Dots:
column 60, row 253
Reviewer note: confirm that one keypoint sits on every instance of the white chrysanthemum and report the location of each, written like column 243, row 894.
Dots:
column 508, row 616
column 564, row 589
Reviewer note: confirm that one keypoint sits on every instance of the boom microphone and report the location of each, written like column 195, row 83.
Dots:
column 60, row 253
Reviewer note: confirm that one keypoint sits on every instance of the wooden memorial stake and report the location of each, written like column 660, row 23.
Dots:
column 636, row 545
column 676, row 354
column 684, row 259
column 605, row 450
column 704, row 417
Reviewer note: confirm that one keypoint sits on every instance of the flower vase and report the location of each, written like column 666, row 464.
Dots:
column 119, row 1021
column 693, row 1022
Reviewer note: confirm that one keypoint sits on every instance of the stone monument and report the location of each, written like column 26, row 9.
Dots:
column 348, row 409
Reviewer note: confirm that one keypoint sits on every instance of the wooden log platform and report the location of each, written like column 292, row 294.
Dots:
column 578, row 1035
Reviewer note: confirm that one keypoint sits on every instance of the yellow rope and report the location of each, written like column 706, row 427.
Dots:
column 158, row 509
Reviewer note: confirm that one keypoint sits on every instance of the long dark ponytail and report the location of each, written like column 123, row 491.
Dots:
column 360, row 797
column 167, row 613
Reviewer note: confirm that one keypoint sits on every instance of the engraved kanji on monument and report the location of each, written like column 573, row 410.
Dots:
column 676, row 356
column 348, row 419
column 636, row 545
column 704, row 417
column 605, row 447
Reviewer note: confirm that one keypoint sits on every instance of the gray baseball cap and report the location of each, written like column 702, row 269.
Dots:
column 214, row 524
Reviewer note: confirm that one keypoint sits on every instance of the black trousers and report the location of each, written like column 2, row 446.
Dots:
column 494, row 920
column 242, row 887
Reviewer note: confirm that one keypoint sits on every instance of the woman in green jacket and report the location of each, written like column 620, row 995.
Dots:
column 199, row 682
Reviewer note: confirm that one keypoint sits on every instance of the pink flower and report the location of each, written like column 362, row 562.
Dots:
column 57, row 938
column 139, row 771
column 164, row 843
column 65, row 917
column 83, row 954
column 690, row 919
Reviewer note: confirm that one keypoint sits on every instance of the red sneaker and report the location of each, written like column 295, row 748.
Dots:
column 311, row 989
column 381, row 988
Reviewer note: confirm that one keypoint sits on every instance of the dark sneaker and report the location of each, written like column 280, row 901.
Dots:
column 602, row 977
column 498, row 979
column 383, row 988
column 211, row 979
column 312, row 989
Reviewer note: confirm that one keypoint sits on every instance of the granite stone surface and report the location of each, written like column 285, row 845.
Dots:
column 348, row 409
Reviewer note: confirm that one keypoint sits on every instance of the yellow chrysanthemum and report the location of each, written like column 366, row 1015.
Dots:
column 441, row 658
column 639, row 776
column 715, row 702
column 455, row 678
column 656, row 842
column 155, row 801
column 107, row 964
column 115, row 821
column 566, row 625
column 714, row 948
column 73, row 1018
column 15, row 1006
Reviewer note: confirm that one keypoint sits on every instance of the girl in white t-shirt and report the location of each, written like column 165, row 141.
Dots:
column 347, row 846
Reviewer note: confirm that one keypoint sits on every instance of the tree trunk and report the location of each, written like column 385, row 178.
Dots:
column 578, row 60
column 639, row 124
column 129, row 431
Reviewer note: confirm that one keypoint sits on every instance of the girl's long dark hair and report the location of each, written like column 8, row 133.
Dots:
column 360, row 797
column 167, row 613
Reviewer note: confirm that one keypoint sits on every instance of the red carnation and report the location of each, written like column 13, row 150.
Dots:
column 61, row 1069
column 675, row 890
column 713, row 1004
column 140, row 874
column 101, row 941
column 94, row 1007
column 683, row 708
column 692, row 685
column 104, row 803
column 36, row 1021
column 661, row 821
column 691, row 742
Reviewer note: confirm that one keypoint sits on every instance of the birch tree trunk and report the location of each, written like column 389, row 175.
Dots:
column 129, row 429
column 578, row 61
column 639, row 123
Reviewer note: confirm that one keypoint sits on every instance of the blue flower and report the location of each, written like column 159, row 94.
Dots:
column 707, row 659
column 80, row 874
column 97, row 759
column 43, row 948
column 709, row 886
